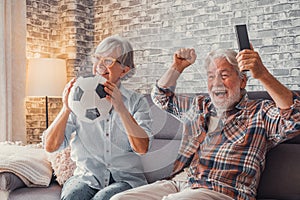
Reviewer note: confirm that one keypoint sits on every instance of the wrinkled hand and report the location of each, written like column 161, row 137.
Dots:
column 114, row 96
column 183, row 58
column 66, row 93
column 248, row 59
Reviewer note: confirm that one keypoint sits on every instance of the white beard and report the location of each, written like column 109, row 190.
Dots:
column 225, row 104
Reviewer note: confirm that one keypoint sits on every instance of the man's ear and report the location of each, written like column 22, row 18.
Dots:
column 243, row 81
column 125, row 70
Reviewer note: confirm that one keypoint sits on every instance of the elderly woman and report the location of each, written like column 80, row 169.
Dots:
column 107, row 153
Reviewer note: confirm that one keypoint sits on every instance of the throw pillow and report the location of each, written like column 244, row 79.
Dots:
column 62, row 164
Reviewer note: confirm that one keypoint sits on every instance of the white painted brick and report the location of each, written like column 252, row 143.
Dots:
column 273, row 28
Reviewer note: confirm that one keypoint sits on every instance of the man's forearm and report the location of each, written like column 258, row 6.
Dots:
column 282, row 96
column 169, row 78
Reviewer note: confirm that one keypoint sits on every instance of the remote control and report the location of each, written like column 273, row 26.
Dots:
column 242, row 37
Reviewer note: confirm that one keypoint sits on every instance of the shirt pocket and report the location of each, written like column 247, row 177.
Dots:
column 236, row 129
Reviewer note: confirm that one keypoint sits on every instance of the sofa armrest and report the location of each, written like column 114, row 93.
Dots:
column 281, row 177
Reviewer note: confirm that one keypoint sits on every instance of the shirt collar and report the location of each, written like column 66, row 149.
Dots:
column 125, row 93
column 242, row 103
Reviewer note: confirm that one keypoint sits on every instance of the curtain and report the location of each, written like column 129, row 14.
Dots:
column 12, row 69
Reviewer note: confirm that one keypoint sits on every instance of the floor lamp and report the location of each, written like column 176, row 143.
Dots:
column 46, row 77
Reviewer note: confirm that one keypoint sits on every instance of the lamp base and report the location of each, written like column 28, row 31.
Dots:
column 47, row 117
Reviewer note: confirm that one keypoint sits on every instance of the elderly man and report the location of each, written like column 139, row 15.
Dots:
column 226, row 136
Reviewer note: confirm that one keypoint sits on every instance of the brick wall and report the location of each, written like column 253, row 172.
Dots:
column 36, row 116
column 61, row 29
column 71, row 29
column 56, row 29
column 158, row 28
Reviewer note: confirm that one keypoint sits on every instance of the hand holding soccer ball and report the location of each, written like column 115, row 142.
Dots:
column 66, row 92
column 114, row 96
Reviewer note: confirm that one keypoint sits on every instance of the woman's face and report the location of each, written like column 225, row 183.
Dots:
column 107, row 66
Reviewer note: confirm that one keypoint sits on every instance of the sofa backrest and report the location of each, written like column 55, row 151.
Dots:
column 165, row 125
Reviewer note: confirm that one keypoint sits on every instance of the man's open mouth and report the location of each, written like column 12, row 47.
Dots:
column 220, row 93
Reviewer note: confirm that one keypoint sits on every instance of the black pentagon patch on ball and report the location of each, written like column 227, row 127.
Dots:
column 92, row 113
column 100, row 91
column 77, row 94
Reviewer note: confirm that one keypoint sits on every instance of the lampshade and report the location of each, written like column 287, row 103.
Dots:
column 46, row 77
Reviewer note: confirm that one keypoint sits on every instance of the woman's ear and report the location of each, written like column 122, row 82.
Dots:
column 125, row 70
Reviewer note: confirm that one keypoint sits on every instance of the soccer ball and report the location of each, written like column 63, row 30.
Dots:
column 87, row 99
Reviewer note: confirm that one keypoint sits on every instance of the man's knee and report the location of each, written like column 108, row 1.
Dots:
column 119, row 196
column 129, row 194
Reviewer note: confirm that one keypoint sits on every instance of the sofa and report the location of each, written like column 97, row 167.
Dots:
column 280, row 179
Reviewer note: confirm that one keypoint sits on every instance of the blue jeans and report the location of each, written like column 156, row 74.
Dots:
column 74, row 189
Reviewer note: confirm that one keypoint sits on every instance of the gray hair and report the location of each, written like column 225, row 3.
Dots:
column 124, row 49
column 228, row 54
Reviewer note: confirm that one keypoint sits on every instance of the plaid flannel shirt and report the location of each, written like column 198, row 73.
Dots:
column 231, row 161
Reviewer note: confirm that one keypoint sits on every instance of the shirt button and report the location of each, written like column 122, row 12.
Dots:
column 107, row 120
column 107, row 151
column 107, row 134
